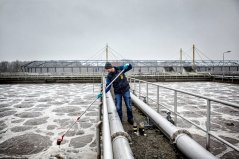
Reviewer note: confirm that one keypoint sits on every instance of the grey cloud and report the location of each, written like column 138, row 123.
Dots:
column 138, row 29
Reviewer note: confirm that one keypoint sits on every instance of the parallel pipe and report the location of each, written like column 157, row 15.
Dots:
column 185, row 144
column 107, row 144
column 98, row 129
column 120, row 139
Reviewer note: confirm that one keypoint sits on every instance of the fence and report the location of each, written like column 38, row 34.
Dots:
column 135, row 81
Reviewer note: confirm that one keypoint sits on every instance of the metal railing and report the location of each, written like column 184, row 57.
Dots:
column 26, row 74
column 225, row 78
column 176, row 114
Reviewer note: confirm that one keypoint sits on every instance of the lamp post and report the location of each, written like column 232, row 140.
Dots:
column 223, row 64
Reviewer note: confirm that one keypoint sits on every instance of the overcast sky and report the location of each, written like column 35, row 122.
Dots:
column 136, row 29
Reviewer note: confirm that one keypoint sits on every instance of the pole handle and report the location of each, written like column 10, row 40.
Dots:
column 115, row 78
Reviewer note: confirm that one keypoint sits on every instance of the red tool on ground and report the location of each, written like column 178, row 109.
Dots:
column 60, row 139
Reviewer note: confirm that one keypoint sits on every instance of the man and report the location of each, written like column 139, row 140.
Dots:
column 121, row 88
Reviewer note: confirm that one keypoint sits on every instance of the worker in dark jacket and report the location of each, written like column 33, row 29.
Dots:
column 121, row 88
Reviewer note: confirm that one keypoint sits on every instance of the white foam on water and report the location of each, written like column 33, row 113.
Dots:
column 80, row 95
column 53, row 96
column 228, row 149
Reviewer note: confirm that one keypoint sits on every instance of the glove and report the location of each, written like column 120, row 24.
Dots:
column 126, row 66
column 99, row 95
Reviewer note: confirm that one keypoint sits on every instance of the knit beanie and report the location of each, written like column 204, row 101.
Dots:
column 108, row 65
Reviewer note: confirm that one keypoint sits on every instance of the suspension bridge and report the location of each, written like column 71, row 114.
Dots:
column 153, row 70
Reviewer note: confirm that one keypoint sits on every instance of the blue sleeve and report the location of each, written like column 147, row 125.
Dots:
column 129, row 68
column 122, row 67
column 107, row 83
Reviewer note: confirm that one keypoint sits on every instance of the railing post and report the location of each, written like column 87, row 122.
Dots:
column 139, row 89
column 158, row 98
column 134, row 84
column 147, row 92
column 208, row 124
column 175, row 107
column 93, row 82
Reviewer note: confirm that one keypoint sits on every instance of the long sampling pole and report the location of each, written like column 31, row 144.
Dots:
column 60, row 139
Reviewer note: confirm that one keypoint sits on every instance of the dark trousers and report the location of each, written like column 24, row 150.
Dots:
column 127, row 100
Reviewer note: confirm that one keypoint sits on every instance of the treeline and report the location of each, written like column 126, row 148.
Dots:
column 14, row 66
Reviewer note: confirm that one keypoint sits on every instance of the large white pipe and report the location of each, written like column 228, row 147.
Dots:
column 107, row 144
column 120, row 139
column 185, row 144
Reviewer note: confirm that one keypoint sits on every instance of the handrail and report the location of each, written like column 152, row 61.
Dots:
column 199, row 127
column 207, row 130
column 48, row 74
column 181, row 137
column 193, row 94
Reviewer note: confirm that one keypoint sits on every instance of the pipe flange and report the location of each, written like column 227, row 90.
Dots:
column 125, row 134
column 178, row 132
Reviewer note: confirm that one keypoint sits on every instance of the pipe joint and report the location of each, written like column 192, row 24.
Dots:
column 178, row 132
column 124, row 134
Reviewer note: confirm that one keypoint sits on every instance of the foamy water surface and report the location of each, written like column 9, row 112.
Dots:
column 33, row 116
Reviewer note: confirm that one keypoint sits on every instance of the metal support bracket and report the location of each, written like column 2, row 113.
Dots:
column 178, row 132
column 124, row 134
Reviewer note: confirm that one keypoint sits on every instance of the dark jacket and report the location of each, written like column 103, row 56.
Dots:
column 121, row 85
